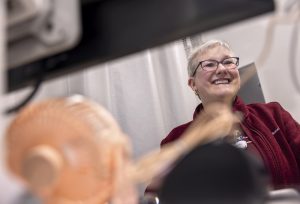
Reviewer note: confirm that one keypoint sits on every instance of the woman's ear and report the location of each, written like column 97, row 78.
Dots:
column 191, row 83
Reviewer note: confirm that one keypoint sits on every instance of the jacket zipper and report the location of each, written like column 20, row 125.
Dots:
column 268, row 146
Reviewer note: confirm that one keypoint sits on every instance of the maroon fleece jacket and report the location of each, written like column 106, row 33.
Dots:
column 273, row 134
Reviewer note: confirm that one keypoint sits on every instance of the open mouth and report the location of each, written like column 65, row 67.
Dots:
column 221, row 81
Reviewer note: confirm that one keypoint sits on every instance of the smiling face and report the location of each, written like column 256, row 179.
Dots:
column 220, row 85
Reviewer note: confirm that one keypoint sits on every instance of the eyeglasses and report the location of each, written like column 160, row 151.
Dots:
column 212, row 65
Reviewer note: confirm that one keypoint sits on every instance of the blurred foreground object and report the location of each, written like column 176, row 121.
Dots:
column 41, row 26
column 216, row 173
column 68, row 151
column 95, row 31
column 71, row 150
column 219, row 173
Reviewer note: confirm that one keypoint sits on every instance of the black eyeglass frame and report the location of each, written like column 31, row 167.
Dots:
column 200, row 63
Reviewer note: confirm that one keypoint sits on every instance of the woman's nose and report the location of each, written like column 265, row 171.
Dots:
column 221, row 68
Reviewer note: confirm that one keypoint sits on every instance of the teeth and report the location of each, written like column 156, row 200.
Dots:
column 221, row 81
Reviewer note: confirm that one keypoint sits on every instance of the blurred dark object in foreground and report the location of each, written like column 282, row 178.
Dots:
column 216, row 173
column 115, row 28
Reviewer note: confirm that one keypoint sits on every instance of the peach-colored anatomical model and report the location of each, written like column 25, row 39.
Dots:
column 71, row 150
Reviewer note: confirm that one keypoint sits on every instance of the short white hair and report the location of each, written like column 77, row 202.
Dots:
column 192, row 60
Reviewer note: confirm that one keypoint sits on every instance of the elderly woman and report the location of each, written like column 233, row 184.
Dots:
column 267, row 130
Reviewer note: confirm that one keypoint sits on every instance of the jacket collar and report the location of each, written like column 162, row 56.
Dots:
column 238, row 105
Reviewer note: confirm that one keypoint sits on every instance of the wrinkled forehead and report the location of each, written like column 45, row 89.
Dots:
column 216, row 52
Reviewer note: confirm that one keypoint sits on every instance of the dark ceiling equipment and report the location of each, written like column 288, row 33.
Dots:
column 115, row 28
